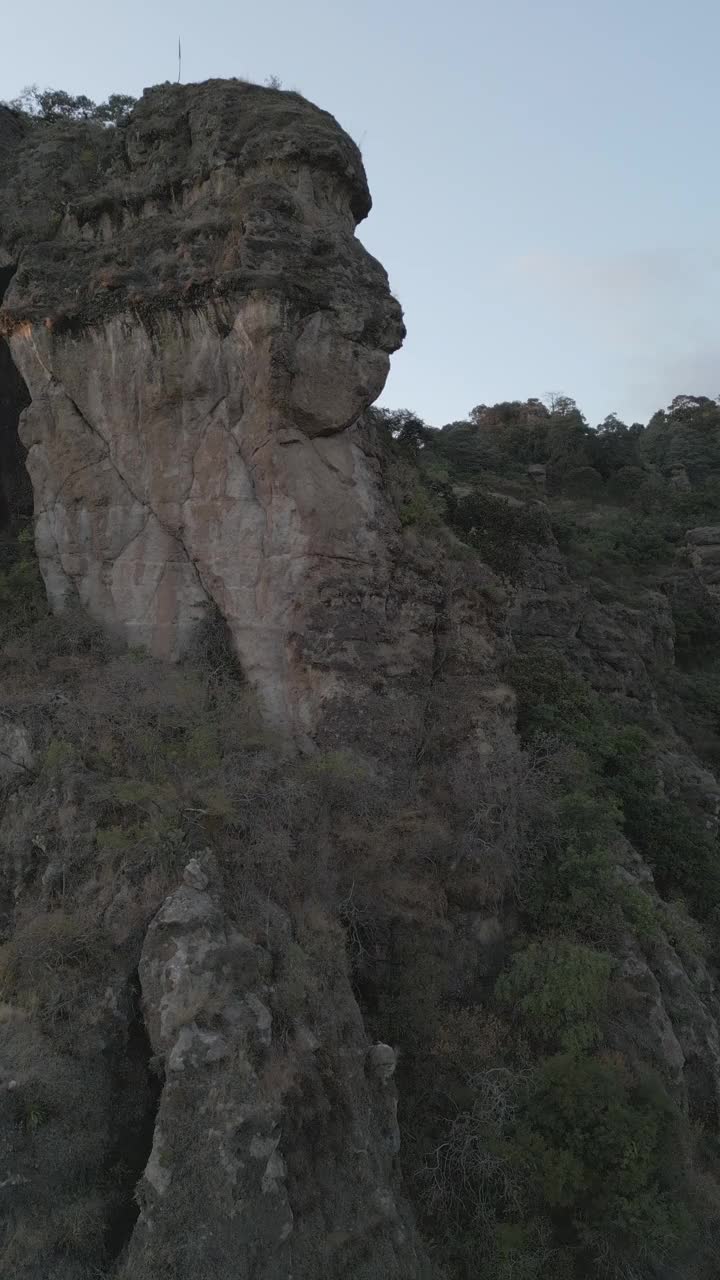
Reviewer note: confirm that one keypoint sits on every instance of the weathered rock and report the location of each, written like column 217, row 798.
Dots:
column 197, row 368
column 17, row 757
column 679, row 477
column 239, row 1106
column 537, row 474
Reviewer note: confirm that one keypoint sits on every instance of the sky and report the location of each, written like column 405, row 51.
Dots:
column 544, row 175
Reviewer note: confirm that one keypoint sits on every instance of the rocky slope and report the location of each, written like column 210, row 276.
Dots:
column 349, row 943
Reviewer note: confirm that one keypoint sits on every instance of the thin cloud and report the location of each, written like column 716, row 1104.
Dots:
column 649, row 318
column 634, row 273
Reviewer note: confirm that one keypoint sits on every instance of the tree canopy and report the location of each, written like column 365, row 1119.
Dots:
column 56, row 104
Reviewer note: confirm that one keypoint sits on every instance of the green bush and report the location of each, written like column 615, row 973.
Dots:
column 554, row 700
column 22, row 594
column 683, row 854
column 600, row 1148
column 500, row 531
column 421, row 508
column 560, row 989
column 575, row 891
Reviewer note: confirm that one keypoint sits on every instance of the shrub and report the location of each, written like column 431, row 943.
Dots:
column 643, row 913
column 52, row 961
column 600, row 1149
column 502, row 532
column 55, row 104
column 420, row 508
column 22, row 594
column 683, row 854
column 469, row 1172
column 576, row 891
column 553, row 700
column 560, row 989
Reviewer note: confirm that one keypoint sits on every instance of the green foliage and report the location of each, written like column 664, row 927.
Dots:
column 582, row 1171
column 682, row 852
column 22, row 595
column 625, row 785
column 575, row 890
column 560, row 989
column 34, row 1115
column 599, row 1147
column 403, row 427
column 687, row 434
column 697, row 636
column 56, row 104
column 617, row 541
column 643, row 913
column 666, row 829
column 421, row 508
column 553, row 700
column 501, row 531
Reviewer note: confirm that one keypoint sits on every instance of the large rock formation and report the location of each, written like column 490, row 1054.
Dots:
column 199, row 331
column 206, row 940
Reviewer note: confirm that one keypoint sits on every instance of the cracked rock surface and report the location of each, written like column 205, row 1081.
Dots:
column 200, row 331
column 289, row 1143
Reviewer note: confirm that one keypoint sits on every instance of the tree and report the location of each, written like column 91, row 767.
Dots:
column 686, row 434
column 116, row 110
column 56, row 104
column 409, row 431
column 615, row 445
column 560, row 404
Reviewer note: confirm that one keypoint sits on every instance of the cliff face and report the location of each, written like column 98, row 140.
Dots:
column 216, row 949
column 199, row 331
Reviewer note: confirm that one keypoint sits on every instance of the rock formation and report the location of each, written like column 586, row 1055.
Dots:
column 704, row 556
column 200, row 331
column 253, row 1023
column 312, row 1198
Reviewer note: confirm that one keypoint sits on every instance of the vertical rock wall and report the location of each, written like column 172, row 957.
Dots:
column 200, row 335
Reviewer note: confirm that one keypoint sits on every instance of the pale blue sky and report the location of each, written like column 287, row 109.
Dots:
column 544, row 172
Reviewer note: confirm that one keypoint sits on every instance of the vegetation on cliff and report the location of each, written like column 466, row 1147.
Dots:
column 564, row 1146
column 490, row 858
column 52, row 105
column 544, row 1132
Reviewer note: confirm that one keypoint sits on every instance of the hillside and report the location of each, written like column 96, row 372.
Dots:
column 359, row 888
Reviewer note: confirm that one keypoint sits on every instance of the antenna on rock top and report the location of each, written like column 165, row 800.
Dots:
column 179, row 59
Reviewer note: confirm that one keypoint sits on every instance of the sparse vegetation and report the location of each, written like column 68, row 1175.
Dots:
column 52, row 105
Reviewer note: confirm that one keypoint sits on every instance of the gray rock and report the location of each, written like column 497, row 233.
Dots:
column 382, row 1060
column 194, row 876
column 17, row 758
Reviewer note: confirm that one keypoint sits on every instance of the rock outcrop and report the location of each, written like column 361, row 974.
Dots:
column 287, row 1134
column 200, row 331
